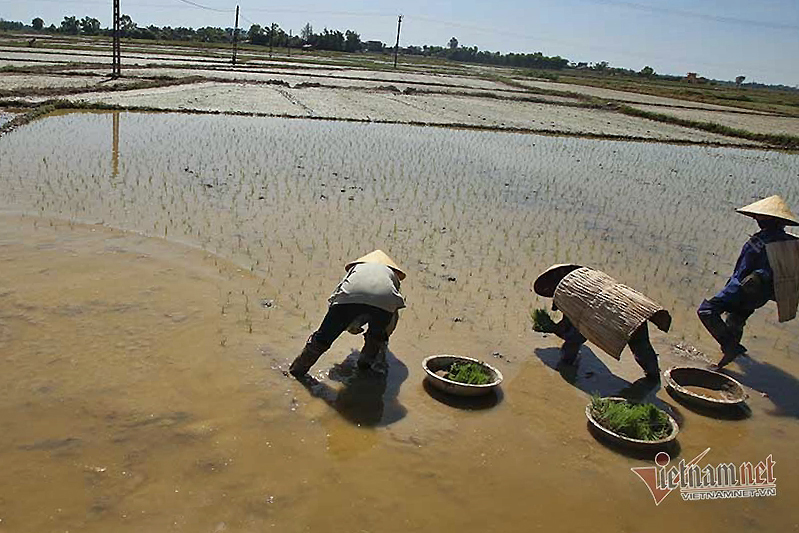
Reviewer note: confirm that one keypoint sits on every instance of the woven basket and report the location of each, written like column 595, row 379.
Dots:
column 606, row 312
column 783, row 257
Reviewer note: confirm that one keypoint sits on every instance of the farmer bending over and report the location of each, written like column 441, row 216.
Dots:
column 368, row 294
column 767, row 269
column 596, row 307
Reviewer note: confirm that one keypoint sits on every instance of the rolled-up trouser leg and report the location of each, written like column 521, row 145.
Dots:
column 645, row 355
column 369, row 352
column 310, row 355
column 381, row 326
column 729, row 338
column 336, row 320
column 572, row 338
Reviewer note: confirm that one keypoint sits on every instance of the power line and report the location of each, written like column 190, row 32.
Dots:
column 195, row 4
column 316, row 12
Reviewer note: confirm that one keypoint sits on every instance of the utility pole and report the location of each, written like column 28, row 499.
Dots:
column 236, row 36
column 271, row 38
column 396, row 46
column 116, row 60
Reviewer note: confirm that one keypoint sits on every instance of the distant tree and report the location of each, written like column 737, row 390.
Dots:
column 307, row 32
column 602, row 65
column 70, row 26
column 255, row 32
column 89, row 26
column 210, row 34
column 51, row 28
column 352, row 41
column 329, row 40
column 647, row 72
column 739, row 80
column 453, row 43
column 11, row 25
column 126, row 25
column 37, row 24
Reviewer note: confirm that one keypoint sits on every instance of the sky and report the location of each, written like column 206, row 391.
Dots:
column 718, row 39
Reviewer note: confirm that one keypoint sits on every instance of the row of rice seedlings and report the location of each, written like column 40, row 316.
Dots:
column 286, row 199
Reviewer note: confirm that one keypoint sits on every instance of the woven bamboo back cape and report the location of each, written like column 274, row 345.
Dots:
column 606, row 312
column 783, row 256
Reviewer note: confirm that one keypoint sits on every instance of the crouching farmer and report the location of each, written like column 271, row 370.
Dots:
column 767, row 269
column 368, row 294
column 596, row 307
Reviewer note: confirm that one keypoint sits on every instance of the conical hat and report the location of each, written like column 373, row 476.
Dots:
column 378, row 256
column 774, row 207
column 546, row 282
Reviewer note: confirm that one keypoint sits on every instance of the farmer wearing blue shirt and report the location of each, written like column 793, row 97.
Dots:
column 754, row 281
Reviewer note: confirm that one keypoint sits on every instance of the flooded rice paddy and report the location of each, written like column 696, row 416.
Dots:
column 5, row 116
column 142, row 384
column 474, row 216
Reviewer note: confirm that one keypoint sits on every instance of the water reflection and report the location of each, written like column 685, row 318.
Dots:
column 367, row 398
column 115, row 146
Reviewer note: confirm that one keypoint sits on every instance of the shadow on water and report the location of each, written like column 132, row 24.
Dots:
column 592, row 376
column 782, row 388
column 468, row 403
column 367, row 398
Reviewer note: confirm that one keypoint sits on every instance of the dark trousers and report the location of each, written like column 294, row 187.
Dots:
column 639, row 344
column 737, row 301
column 339, row 316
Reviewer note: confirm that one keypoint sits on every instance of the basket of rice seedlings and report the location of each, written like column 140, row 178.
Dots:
column 542, row 321
column 631, row 425
column 462, row 376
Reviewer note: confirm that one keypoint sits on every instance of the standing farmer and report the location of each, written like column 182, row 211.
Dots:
column 368, row 294
column 596, row 307
column 767, row 269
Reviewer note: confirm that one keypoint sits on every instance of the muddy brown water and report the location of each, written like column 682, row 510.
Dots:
column 141, row 369
column 713, row 394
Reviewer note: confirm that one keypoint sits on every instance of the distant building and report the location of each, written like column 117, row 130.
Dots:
column 691, row 78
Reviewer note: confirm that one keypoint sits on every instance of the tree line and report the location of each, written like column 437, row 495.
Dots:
column 274, row 36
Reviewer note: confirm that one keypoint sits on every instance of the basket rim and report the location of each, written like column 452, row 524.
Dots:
column 671, row 382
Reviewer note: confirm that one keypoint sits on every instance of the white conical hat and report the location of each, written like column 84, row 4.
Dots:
column 378, row 256
column 774, row 207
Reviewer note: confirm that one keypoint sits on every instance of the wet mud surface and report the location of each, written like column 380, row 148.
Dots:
column 136, row 398
column 142, row 370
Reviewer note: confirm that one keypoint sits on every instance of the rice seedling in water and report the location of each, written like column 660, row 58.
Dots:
column 641, row 421
column 232, row 185
column 542, row 321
